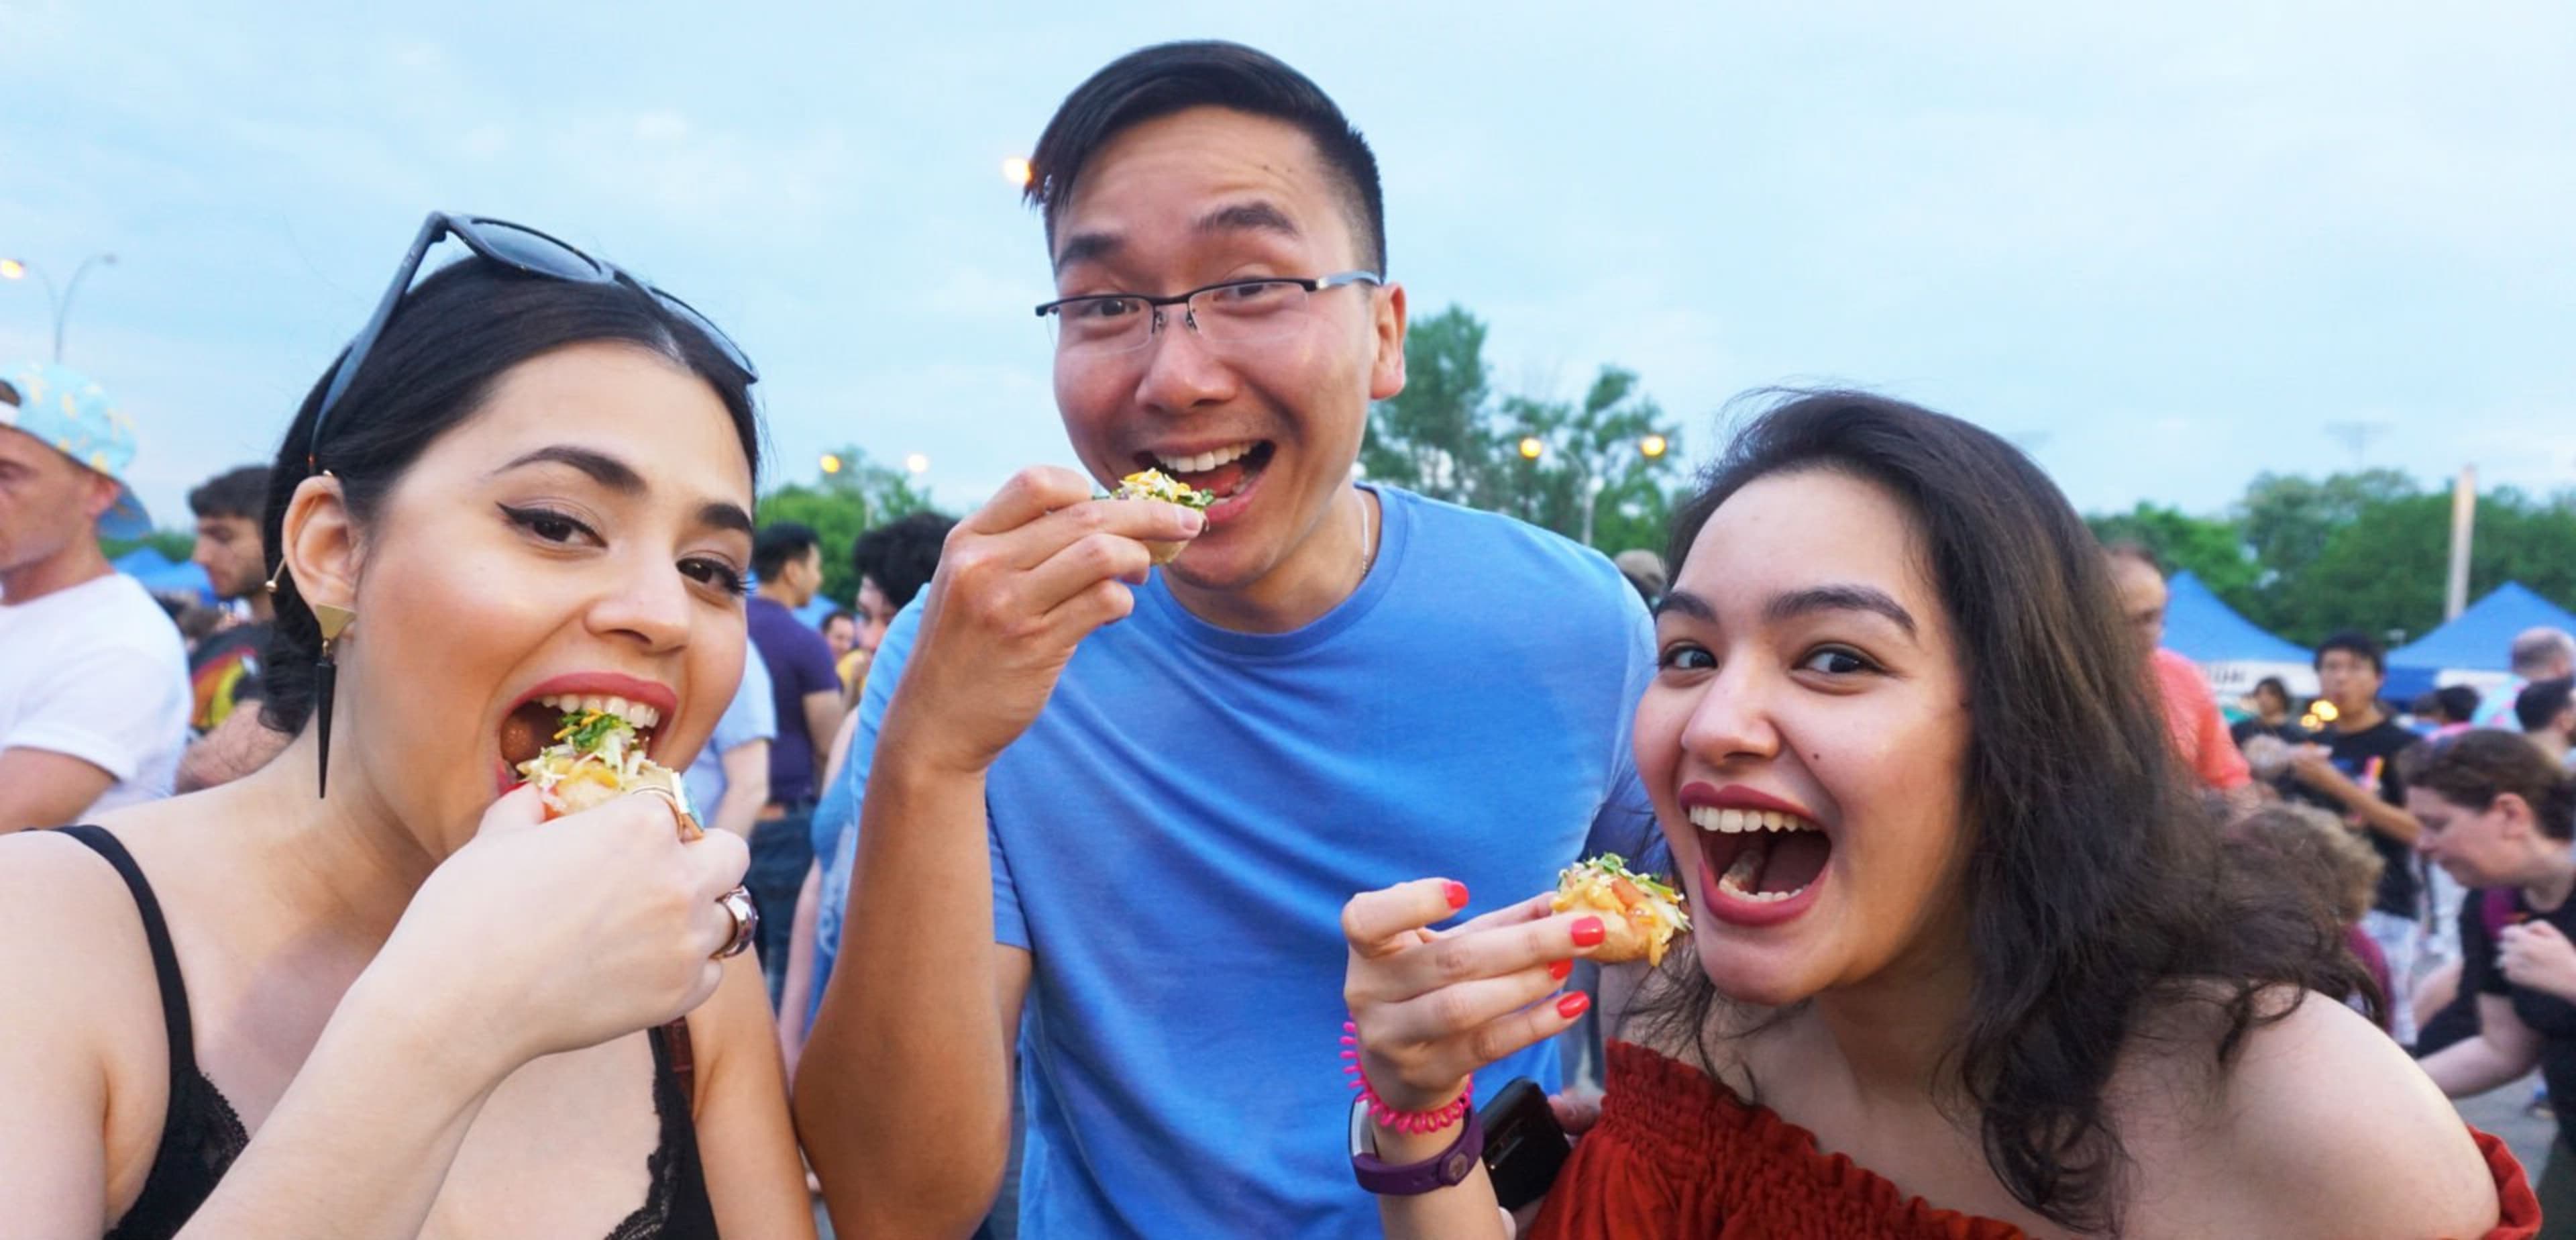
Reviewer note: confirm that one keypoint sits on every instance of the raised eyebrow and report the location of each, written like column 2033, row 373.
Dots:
column 1256, row 216
column 1686, row 603
column 1087, row 247
column 724, row 516
column 1798, row 603
column 603, row 469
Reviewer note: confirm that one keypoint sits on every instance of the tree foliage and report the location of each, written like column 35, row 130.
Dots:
column 842, row 505
column 2305, row 557
column 1448, row 435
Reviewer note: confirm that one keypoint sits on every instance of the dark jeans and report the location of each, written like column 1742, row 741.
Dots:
column 782, row 849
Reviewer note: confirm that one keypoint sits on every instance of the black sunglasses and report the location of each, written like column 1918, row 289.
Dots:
column 521, row 249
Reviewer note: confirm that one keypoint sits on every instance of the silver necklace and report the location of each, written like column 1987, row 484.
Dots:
column 1368, row 539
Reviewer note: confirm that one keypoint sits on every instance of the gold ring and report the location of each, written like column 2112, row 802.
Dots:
column 689, row 828
column 746, row 922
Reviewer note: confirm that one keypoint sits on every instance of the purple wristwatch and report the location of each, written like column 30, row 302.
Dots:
column 1442, row 1170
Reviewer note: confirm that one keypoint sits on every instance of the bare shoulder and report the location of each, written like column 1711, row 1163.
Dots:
column 2323, row 1126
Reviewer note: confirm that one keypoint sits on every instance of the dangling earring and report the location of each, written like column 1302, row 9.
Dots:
column 333, row 621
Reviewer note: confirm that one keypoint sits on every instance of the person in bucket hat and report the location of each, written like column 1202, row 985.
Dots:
column 93, row 676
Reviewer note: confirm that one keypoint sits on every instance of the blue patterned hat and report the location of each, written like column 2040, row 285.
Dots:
column 69, row 412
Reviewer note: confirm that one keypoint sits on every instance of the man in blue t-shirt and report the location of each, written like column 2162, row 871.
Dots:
column 1111, row 813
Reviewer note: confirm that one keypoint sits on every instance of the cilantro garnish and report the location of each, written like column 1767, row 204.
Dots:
column 587, row 730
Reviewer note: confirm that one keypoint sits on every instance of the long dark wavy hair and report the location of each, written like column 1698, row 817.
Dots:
column 453, row 337
column 2097, row 893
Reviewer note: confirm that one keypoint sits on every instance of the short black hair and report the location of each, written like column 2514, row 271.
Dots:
column 2354, row 641
column 2276, row 685
column 902, row 554
column 1154, row 82
column 780, row 543
column 2459, row 702
column 239, row 492
column 839, row 613
column 2543, row 701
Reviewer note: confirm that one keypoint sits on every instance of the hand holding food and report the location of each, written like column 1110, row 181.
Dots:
column 1430, row 1007
column 549, row 934
column 1020, row 583
column 1642, row 914
column 1157, row 485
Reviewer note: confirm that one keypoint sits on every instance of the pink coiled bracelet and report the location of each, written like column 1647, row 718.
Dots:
column 1414, row 1122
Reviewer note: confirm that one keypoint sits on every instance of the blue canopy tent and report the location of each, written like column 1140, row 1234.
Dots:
column 2474, row 648
column 2231, row 650
column 160, row 576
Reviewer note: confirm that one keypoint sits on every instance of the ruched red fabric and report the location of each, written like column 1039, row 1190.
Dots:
column 1676, row 1154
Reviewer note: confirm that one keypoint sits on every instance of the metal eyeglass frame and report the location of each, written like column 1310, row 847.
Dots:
column 1190, row 318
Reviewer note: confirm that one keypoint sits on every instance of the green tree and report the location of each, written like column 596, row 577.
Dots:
column 174, row 545
column 2213, row 550
column 1435, row 437
column 844, row 504
column 1592, row 476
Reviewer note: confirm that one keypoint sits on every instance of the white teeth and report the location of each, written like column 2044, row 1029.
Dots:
column 636, row 713
column 1736, row 821
column 1204, row 461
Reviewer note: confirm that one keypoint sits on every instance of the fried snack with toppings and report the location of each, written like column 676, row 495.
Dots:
column 1155, row 484
column 597, row 757
column 1641, row 914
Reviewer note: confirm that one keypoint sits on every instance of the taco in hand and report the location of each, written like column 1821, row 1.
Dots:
column 1641, row 914
column 596, row 758
column 1155, row 484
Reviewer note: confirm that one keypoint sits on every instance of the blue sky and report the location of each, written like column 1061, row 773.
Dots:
column 2166, row 248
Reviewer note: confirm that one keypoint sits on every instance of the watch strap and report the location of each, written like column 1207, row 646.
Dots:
column 1445, row 1169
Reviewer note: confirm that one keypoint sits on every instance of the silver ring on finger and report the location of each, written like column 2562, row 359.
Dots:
column 746, row 923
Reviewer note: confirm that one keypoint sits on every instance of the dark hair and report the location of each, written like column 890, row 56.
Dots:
column 1154, row 82
column 449, row 342
column 2276, row 685
column 2095, row 892
column 2356, row 642
column 2459, row 702
column 779, row 544
column 901, row 554
column 2543, row 701
column 839, row 613
column 2132, row 549
column 2472, row 769
column 239, row 492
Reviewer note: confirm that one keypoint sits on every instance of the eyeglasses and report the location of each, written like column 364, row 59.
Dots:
column 521, row 249
column 1234, row 312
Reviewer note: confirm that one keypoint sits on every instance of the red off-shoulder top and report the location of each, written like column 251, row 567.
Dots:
column 1677, row 1154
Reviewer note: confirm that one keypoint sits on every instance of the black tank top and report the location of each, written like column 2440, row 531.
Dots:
column 201, row 1135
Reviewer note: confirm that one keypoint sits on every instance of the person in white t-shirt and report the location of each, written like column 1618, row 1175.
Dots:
column 93, row 676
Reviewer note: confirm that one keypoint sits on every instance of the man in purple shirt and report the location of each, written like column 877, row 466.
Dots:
column 788, row 558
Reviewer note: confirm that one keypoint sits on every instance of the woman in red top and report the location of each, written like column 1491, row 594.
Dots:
column 1964, row 960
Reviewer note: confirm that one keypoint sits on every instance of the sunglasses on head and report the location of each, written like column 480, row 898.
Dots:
column 521, row 249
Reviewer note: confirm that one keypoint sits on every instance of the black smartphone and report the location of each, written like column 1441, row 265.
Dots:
column 1524, row 1145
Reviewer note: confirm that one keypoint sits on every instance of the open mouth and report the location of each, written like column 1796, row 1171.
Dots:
column 1221, row 472
column 531, row 726
column 1760, row 856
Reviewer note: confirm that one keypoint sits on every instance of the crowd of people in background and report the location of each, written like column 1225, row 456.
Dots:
column 1069, row 869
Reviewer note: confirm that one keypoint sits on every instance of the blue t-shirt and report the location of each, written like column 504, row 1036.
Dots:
column 751, row 716
column 1174, row 838
column 800, row 663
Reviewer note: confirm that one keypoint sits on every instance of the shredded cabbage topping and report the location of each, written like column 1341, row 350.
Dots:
column 1155, row 484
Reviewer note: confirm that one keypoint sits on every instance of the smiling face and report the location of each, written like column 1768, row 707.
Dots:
column 582, row 535
column 1804, row 740
column 1271, row 427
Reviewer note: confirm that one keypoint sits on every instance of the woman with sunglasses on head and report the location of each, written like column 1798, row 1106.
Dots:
column 1965, row 960
column 2498, row 815
column 368, row 990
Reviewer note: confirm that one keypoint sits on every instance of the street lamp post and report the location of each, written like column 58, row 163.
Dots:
column 58, row 300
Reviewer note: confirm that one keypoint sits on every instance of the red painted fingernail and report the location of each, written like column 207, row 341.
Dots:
column 1457, row 893
column 1561, row 970
column 1589, row 931
column 1573, row 1005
